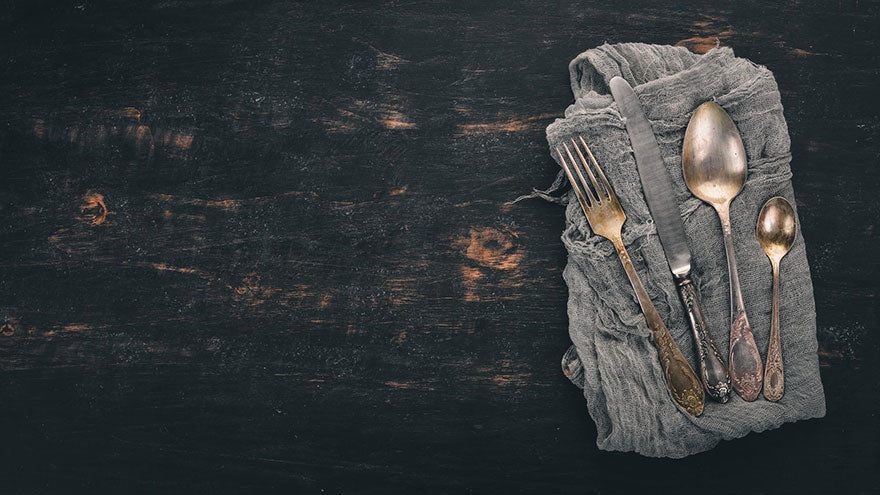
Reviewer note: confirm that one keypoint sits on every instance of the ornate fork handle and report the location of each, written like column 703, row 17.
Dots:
column 681, row 380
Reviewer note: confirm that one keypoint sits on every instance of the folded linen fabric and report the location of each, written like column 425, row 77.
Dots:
column 612, row 358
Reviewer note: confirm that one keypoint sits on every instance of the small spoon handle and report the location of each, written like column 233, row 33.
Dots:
column 744, row 363
column 713, row 371
column 774, row 378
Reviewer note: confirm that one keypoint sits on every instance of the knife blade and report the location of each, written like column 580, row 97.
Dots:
column 656, row 183
column 659, row 194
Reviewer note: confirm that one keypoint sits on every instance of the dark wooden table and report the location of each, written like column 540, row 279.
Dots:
column 260, row 246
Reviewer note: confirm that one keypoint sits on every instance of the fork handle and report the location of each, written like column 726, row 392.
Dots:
column 681, row 380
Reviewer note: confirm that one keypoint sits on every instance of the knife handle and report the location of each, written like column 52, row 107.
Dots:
column 713, row 371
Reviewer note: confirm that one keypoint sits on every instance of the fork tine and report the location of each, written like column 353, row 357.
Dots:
column 574, row 183
column 587, row 167
column 598, row 170
column 593, row 199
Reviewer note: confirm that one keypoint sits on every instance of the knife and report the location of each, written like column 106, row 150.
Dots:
column 659, row 194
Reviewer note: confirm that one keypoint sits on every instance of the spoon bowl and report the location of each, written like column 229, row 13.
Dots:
column 713, row 158
column 776, row 228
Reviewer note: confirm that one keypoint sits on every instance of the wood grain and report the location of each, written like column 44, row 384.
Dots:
column 265, row 246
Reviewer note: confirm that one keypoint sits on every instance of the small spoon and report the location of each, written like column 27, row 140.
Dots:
column 776, row 231
column 714, row 165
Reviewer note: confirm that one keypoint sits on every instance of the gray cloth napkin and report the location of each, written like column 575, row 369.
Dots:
column 612, row 358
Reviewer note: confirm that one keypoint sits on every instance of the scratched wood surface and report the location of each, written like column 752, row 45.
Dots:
column 264, row 246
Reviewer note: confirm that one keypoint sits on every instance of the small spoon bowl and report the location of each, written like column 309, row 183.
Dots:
column 776, row 228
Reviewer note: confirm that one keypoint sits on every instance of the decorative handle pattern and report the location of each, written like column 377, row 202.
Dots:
column 774, row 377
column 681, row 380
column 744, row 364
column 713, row 371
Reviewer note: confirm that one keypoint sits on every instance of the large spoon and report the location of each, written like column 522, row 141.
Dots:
column 776, row 231
column 714, row 163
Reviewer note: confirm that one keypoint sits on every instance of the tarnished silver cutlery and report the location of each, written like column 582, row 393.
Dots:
column 659, row 195
column 606, row 218
column 714, row 164
column 776, row 232
column 714, row 168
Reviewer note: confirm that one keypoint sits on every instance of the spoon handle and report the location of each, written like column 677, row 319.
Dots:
column 713, row 371
column 774, row 378
column 744, row 363
column 681, row 380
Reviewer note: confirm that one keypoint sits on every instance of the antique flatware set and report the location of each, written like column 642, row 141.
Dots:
column 714, row 168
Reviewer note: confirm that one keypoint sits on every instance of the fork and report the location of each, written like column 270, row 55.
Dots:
column 606, row 218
